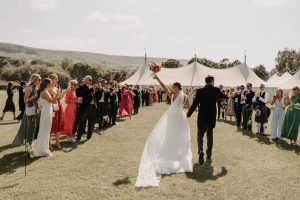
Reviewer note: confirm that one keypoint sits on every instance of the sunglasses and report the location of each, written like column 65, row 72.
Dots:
column 90, row 80
column 73, row 84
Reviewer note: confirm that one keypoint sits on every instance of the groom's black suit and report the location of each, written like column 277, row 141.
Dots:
column 206, row 98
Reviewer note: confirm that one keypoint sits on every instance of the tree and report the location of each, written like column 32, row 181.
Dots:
column 288, row 59
column 171, row 63
column 261, row 72
column 66, row 64
column 224, row 63
column 80, row 70
column 23, row 73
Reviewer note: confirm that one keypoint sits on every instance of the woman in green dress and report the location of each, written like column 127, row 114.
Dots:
column 292, row 118
column 29, row 125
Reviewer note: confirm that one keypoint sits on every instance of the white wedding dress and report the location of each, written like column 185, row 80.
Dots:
column 42, row 144
column 168, row 148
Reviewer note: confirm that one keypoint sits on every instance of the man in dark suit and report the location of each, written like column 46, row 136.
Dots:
column 219, row 102
column 88, row 107
column 206, row 98
column 136, row 99
column 240, row 99
column 160, row 94
column 144, row 96
column 114, row 104
column 247, row 108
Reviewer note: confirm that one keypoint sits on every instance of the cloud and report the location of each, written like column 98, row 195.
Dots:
column 268, row 3
column 116, row 20
column 142, row 36
column 43, row 4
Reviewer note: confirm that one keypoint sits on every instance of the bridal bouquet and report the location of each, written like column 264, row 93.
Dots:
column 155, row 68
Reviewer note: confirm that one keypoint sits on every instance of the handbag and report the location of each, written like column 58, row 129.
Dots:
column 30, row 111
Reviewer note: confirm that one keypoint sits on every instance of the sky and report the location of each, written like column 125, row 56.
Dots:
column 214, row 29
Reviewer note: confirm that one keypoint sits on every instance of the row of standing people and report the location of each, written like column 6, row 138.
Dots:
column 44, row 113
column 242, row 103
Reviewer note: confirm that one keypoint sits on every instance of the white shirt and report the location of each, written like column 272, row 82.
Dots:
column 264, row 100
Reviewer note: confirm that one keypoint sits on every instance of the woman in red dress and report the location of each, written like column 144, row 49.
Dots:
column 70, row 110
column 126, row 104
column 58, row 112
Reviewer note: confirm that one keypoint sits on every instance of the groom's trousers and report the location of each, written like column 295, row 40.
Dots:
column 209, row 136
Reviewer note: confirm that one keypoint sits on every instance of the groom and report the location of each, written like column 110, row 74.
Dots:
column 206, row 98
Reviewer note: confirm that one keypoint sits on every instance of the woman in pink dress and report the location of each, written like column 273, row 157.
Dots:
column 70, row 110
column 126, row 104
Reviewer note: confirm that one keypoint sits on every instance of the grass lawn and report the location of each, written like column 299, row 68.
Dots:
column 105, row 167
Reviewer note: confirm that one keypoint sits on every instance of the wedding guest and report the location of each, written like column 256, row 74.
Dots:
column 159, row 94
column 29, row 124
column 136, row 100
column 230, row 105
column 46, row 100
column 114, row 101
column 236, row 104
column 240, row 102
column 9, row 104
column 292, row 118
column 247, row 108
column 144, row 96
column 191, row 96
column 224, row 103
column 78, row 108
column 125, row 105
column 21, row 100
column 101, row 104
column 148, row 95
column 154, row 95
column 58, row 122
column 70, row 110
column 88, row 106
column 107, row 104
column 219, row 102
column 279, row 103
column 262, row 111
column 151, row 100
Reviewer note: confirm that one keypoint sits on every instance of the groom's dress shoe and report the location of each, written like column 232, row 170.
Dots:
column 201, row 159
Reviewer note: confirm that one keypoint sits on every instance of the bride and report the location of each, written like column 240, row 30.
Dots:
column 168, row 148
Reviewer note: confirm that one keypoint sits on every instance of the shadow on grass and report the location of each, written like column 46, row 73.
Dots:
column 233, row 123
column 6, row 147
column 204, row 173
column 68, row 146
column 123, row 181
column 281, row 144
column 9, row 163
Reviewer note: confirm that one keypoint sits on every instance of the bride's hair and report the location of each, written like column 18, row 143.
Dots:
column 178, row 85
column 44, row 84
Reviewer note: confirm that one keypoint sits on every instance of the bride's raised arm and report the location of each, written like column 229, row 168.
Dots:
column 163, row 86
